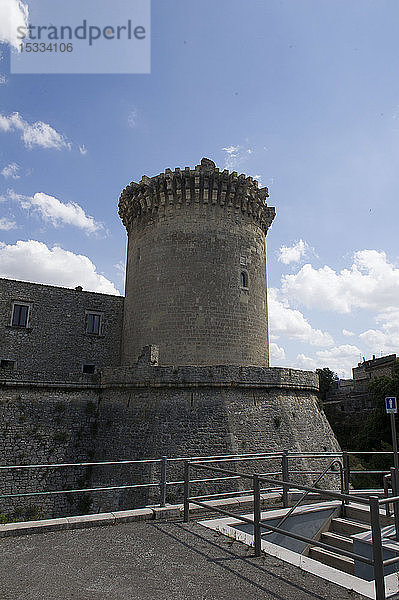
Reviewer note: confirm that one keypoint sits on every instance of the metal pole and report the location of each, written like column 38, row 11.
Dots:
column 186, row 513
column 285, row 474
column 347, row 472
column 394, row 441
column 257, row 534
column 164, row 460
column 377, row 548
column 394, row 483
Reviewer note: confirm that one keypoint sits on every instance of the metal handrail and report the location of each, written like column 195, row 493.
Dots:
column 373, row 502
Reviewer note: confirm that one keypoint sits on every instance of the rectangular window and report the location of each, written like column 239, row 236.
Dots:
column 7, row 364
column 20, row 315
column 89, row 369
column 94, row 323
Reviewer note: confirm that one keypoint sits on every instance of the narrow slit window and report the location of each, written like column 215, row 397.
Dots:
column 244, row 280
column 20, row 315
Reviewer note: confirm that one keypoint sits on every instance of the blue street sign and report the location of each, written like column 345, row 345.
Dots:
column 390, row 405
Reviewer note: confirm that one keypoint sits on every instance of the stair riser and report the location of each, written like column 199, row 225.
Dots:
column 347, row 528
column 342, row 564
column 337, row 543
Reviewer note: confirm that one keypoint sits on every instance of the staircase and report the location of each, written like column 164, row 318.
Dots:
column 356, row 520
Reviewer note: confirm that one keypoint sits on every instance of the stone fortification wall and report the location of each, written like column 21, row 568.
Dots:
column 196, row 276
column 146, row 413
column 55, row 339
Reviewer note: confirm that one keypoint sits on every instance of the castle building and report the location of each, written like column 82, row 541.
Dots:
column 180, row 366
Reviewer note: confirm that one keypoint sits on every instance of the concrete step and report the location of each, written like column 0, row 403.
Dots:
column 362, row 513
column 339, row 541
column 342, row 563
column 348, row 526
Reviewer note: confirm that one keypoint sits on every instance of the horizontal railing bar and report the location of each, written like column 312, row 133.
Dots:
column 388, row 500
column 219, row 470
column 328, row 493
column 253, row 455
column 239, row 493
column 203, row 480
column 82, row 464
column 221, row 511
column 390, row 561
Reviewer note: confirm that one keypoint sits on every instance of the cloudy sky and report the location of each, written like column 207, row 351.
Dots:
column 302, row 94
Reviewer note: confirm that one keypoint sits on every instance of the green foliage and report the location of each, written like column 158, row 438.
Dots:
column 327, row 380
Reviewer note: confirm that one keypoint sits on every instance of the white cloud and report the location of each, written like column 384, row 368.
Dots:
column 371, row 283
column 13, row 14
column 277, row 353
column 347, row 333
column 34, row 134
column 11, row 170
column 294, row 253
column 56, row 212
column 286, row 321
column 235, row 156
column 83, row 149
column 3, row 79
column 340, row 359
column 34, row 261
column 258, row 178
column 6, row 224
column 132, row 118
column 386, row 339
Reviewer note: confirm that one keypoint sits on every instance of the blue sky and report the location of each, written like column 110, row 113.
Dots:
column 302, row 94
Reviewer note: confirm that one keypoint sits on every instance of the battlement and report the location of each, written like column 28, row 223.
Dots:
column 205, row 184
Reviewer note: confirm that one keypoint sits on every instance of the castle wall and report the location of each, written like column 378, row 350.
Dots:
column 55, row 339
column 148, row 412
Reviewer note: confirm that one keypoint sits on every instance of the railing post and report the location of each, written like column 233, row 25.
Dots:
column 257, row 535
column 285, row 476
column 347, row 473
column 395, row 490
column 186, row 512
column 162, row 484
column 377, row 548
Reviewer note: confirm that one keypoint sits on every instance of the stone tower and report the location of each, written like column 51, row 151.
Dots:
column 196, row 268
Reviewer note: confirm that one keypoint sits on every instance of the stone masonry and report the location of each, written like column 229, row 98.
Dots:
column 177, row 368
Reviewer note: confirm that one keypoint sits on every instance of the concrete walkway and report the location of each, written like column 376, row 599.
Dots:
column 149, row 561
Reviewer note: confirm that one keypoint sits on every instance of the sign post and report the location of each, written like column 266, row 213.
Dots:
column 392, row 408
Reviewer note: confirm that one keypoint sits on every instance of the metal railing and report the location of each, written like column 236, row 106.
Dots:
column 373, row 502
column 284, row 467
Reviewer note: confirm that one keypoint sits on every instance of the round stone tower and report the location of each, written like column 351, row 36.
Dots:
column 196, row 268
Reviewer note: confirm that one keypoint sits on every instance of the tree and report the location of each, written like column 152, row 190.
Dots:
column 327, row 380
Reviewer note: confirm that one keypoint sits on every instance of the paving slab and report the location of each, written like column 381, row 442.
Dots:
column 150, row 560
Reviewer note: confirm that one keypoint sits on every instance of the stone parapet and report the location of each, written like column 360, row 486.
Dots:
column 205, row 184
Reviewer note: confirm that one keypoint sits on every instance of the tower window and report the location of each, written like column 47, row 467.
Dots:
column 244, row 280
column 94, row 323
column 20, row 315
column 89, row 369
